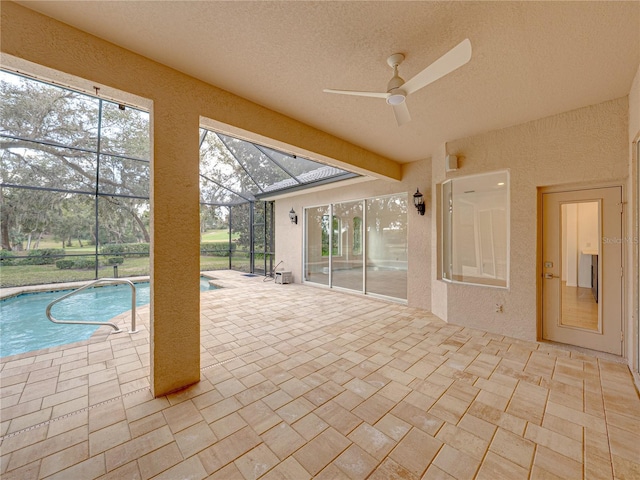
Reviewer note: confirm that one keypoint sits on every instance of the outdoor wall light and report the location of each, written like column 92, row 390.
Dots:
column 293, row 217
column 418, row 201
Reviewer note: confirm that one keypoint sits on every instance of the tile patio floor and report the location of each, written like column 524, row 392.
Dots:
column 300, row 382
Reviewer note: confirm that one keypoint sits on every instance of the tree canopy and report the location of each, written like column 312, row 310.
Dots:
column 66, row 157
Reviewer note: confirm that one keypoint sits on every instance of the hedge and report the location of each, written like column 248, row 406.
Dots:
column 115, row 261
column 216, row 249
column 211, row 249
column 129, row 249
column 64, row 264
column 84, row 263
column 7, row 258
column 45, row 256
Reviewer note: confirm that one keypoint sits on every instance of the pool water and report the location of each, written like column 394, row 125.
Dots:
column 25, row 327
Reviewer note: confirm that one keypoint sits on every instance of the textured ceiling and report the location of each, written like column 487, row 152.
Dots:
column 530, row 59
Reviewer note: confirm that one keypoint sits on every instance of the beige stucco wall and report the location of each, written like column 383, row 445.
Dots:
column 588, row 145
column 634, row 108
column 289, row 237
column 633, row 323
column 179, row 104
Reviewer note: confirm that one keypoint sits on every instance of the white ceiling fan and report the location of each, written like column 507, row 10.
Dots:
column 398, row 89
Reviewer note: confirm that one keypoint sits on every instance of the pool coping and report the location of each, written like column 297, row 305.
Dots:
column 10, row 292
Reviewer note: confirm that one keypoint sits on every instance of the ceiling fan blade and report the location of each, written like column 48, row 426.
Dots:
column 401, row 111
column 447, row 63
column 359, row 94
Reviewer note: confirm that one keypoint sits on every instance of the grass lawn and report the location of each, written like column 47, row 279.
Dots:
column 19, row 275
column 214, row 236
column 218, row 236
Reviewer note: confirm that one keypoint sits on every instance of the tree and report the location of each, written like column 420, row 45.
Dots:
column 223, row 180
column 49, row 138
column 74, row 220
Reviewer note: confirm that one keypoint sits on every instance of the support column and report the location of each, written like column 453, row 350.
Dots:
column 175, row 248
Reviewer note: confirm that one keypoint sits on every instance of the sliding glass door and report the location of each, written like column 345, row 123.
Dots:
column 359, row 246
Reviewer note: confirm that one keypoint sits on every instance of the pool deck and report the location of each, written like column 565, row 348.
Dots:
column 300, row 382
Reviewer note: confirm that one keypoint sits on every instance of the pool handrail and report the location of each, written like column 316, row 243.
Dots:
column 88, row 322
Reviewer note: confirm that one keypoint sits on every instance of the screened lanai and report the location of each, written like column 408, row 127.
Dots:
column 237, row 179
column 74, row 192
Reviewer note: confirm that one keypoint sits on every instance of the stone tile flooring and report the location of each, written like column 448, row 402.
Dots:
column 301, row 382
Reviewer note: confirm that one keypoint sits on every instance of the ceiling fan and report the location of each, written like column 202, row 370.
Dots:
column 398, row 89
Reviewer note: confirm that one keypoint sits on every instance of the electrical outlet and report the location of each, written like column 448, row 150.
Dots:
column 499, row 308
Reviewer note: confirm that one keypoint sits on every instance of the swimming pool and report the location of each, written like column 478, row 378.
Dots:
column 24, row 326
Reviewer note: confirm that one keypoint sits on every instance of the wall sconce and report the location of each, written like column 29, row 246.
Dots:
column 418, row 201
column 293, row 217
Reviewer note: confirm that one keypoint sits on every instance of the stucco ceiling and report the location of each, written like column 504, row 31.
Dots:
column 530, row 59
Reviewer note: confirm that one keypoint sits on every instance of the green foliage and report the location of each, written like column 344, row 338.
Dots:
column 7, row 258
column 13, row 276
column 65, row 264
column 214, row 249
column 51, row 115
column 219, row 236
column 83, row 263
column 86, row 262
column 45, row 256
column 128, row 249
column 114, row 249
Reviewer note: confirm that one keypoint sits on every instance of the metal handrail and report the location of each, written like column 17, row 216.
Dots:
column 87, row 322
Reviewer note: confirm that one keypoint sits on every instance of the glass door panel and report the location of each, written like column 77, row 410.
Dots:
column 346, row 260
column 579, row 267
column 317, row 240
column 386, row 246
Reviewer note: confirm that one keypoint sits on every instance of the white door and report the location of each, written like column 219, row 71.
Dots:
column 582, row 268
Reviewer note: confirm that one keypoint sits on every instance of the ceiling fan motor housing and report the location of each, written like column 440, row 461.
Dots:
column 396, row 96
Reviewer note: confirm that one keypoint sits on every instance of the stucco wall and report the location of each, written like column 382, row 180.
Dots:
column 634, row 108
column 588, row 145
column 633, row 324
column 289, row 237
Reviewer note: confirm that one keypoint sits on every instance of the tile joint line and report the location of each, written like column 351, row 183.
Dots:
column 105, row 402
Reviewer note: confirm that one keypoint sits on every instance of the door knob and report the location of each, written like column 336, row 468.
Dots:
column 550, row 275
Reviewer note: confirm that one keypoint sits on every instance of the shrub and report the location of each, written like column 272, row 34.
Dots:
column 45, row 256
column 139, row 249
column 7, row 258
column 115, row 260
column 129, row 249
column 113, row 248
column 216, row 249
column 84, row 263
column 65, row 264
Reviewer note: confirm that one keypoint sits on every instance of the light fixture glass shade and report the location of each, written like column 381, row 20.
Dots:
column 418, row 198
column 292, row 216
column 396, row 98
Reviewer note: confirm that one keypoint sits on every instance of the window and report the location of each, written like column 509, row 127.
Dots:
column 475, row 229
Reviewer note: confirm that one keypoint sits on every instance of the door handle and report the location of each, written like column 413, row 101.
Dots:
column 550, row 275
